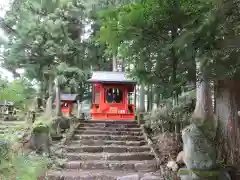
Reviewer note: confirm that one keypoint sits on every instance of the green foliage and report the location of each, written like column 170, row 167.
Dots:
column 42, row 124
column 140, row 34
column 45, row 36
column 170, row 113
column 17, row 91
column 40, row 128
column 18, row 166
column 164, row 40
column 23, row 167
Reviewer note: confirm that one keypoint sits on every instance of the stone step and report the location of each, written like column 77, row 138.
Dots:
column 131, row 156
column 144, row 166
column 105, row 125
column 90, row 142
column 11, row 126
column 11, row 122
column 90, row 175
column 108, row 149
column 109, row 129
column 109, row 132
column 107, row 137
column 5, row 131
column 112, row 122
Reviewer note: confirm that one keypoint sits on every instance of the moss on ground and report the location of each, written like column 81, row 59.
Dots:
column 19, row 166
column 14, row 166
column 22, row 167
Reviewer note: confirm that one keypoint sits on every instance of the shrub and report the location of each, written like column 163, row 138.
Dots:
column 19, row 166
column 172, row 115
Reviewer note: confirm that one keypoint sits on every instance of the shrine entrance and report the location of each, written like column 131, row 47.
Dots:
column 111, row 100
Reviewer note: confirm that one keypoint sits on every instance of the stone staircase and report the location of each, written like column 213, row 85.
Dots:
column 105, row 150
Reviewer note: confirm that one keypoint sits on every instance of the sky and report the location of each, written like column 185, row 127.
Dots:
column 4, row 5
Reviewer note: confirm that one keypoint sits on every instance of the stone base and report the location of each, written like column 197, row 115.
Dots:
column 186, row 174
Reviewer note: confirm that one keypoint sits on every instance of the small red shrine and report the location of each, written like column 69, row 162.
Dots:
column 67, row 101
column 111, row 96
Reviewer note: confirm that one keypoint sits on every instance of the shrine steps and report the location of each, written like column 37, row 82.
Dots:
column 107, row 149
column 110, row 142
column 88, row 175
column 109, row 125
column 109, row 156
column 108, row 137
column 108, row 129
column 98, row 153
column 96, row 132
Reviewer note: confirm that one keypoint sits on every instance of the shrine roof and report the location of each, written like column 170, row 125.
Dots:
column 110, row 77
column 69, row 97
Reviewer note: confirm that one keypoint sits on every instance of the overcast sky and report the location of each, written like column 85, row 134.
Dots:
column 4, row 5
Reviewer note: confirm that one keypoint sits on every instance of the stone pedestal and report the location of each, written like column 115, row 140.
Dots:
column 199, row 151
column 220, row 174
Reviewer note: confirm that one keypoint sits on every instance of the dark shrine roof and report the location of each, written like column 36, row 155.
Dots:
column 110, row 77
column 69, row 97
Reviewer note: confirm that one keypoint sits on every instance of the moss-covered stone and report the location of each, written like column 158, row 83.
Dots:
column 41, row 128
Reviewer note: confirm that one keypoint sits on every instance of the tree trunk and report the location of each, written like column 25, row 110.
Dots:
column 203, row 113
column 58, row 100
column 192, row 69
column 114, row 63
column 142, row 99
column 203, row 109
column 50, row 85
column 79, row 112
column 227, row 107
column 150, row 98
column 49, row 106
column 157, row 99
column 49, row 103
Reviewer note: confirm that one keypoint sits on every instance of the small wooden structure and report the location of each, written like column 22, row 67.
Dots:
column 67, row 101
column 7, row 107
column 111, row 96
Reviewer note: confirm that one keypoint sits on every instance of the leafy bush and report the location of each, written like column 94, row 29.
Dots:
column 42, row 124
column 19, row 166
column 23, row 167
column 169, row 114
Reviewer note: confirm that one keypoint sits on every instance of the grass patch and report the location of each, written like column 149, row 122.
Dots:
column 22, row 167
column 16, row 165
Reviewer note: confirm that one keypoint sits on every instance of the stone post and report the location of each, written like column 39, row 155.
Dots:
column 140, row 118
column 200, row 157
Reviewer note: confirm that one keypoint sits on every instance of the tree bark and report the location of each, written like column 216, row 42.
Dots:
column 49, row 103
column 203, row 114
column 203, row 109
column 142, row 99
column 49, row 106
column 227, row 107
column 150, row 98
column 114, row 63
column 50, row 85
column 58, row 100
column 157, row 99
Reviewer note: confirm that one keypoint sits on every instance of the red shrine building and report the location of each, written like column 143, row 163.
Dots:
column 67, row 101
column 111, row 96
